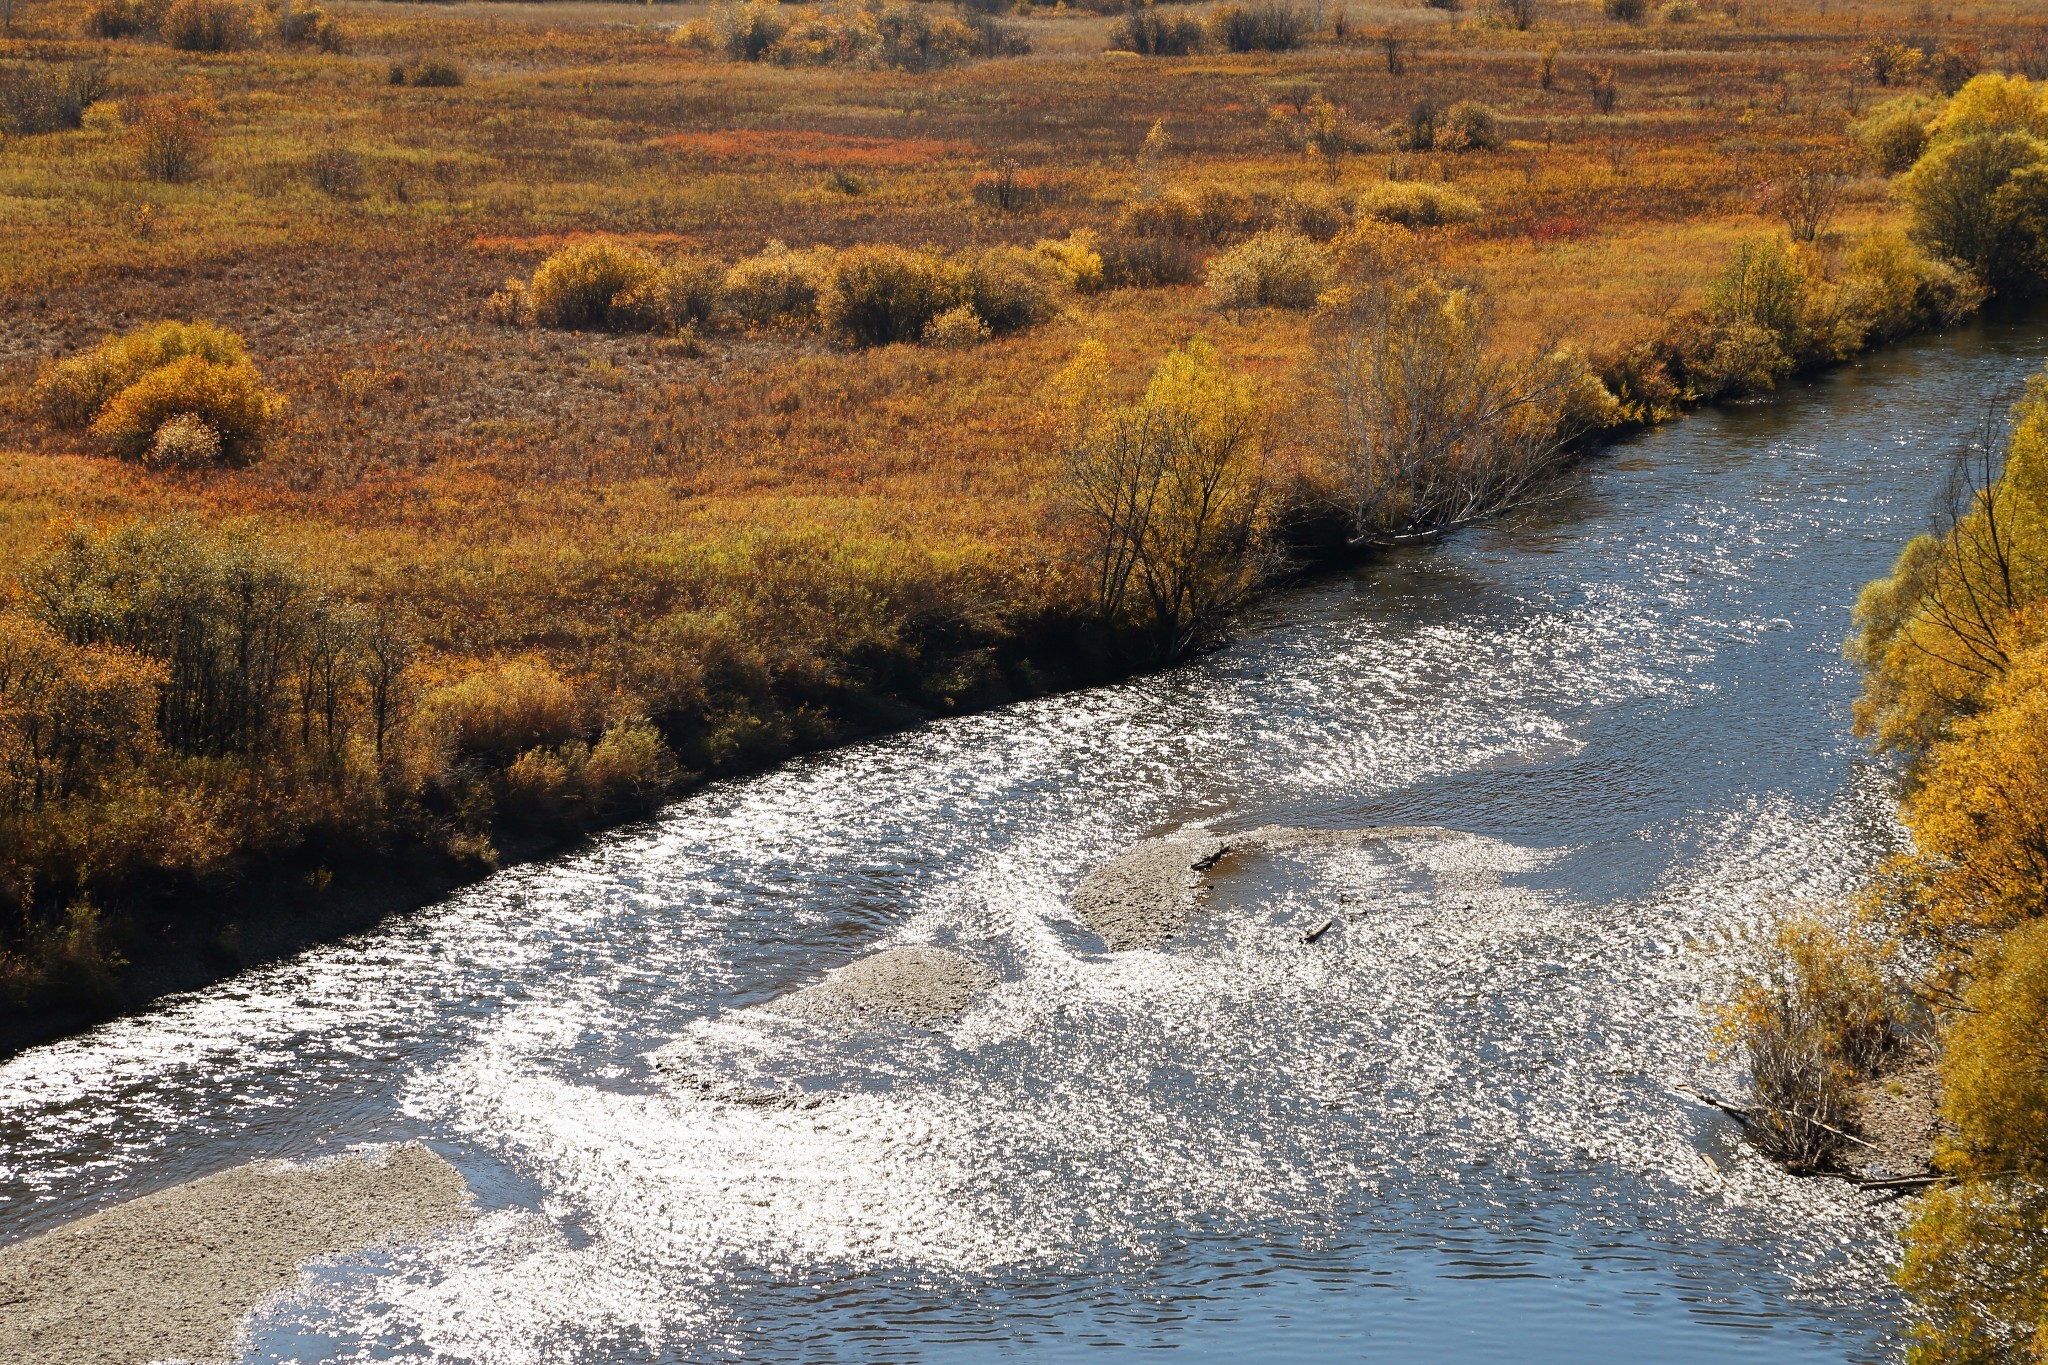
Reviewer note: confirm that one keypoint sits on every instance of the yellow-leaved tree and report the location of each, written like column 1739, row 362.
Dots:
column 1168, row 493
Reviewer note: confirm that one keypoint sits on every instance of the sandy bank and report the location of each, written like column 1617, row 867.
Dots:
column 916, row 984
column 1146, row 895
column 173, row 1273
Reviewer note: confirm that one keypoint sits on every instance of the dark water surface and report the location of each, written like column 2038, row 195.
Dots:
column 1444, row 1132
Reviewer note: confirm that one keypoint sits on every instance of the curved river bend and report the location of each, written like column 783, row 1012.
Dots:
column 1444, row 1131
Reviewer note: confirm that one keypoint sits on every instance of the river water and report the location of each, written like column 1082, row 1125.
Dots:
column 1445, row 1131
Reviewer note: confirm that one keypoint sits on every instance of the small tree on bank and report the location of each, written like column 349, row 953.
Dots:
column 1168, row 493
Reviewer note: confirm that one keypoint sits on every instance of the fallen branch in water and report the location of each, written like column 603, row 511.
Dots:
column 1312, row 935
column 1745, row 1114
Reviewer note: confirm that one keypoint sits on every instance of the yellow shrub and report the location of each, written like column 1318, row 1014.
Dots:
column 71, row 392
column 1980, row 817
column 1894, row 133
column 1012, row 289
column 956, row 329
column 1992, row 104
column 1275, row 269
column 229, row 398
column 1994, row 1078
column 881, row 294
column 679, row 294
column 1976, row 1268
column 1413, row 203
column 629, row 763
column 509, row 709
column 1076, row 258
column 1895, row 288
column 777, row 284
column 575, row 287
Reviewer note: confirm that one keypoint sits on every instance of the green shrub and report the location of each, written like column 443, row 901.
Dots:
column 1894, row 133
column 883, row 294
column 1012, row 289
column 206, row 25
column 1276, row 269
column 1412, row 203
column 230, row 399
column 1977, row 200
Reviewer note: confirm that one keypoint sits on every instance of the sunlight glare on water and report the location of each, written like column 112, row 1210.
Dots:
column 1446, row 1130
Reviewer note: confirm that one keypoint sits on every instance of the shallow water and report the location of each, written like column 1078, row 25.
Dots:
column 1444, row 1131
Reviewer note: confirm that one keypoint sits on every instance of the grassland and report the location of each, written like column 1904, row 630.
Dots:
column 762, row 538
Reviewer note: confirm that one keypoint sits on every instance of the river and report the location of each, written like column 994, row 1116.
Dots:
column 1444, row 1131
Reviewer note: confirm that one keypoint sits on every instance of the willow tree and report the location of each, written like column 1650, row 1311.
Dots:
column 1168, row 493
column 1433, row 423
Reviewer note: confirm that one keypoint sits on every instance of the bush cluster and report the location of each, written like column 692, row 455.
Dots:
column 1774, row 310
column 1274, row 269
column 1152, row 30
column 175, row 394
column 47, row 98
column 903, row 36
column 1216, row 212
column 873, row 295
column 1978, row 193
column 172, row 702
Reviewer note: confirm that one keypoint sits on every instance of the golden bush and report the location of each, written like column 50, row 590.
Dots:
column 1277, row 269
column 519, row 704
column 1894, row 133
column 682, row 293
column 777, row 284
column 957, row 329
column 1076, row 258
column 629, row 763
column 1011, row 289
column 883, row 294
column 71, row 392
column 1413, row 203
column 576, row 286
column 230, row 399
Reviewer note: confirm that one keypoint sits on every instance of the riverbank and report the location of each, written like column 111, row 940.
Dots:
column 586, row 572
